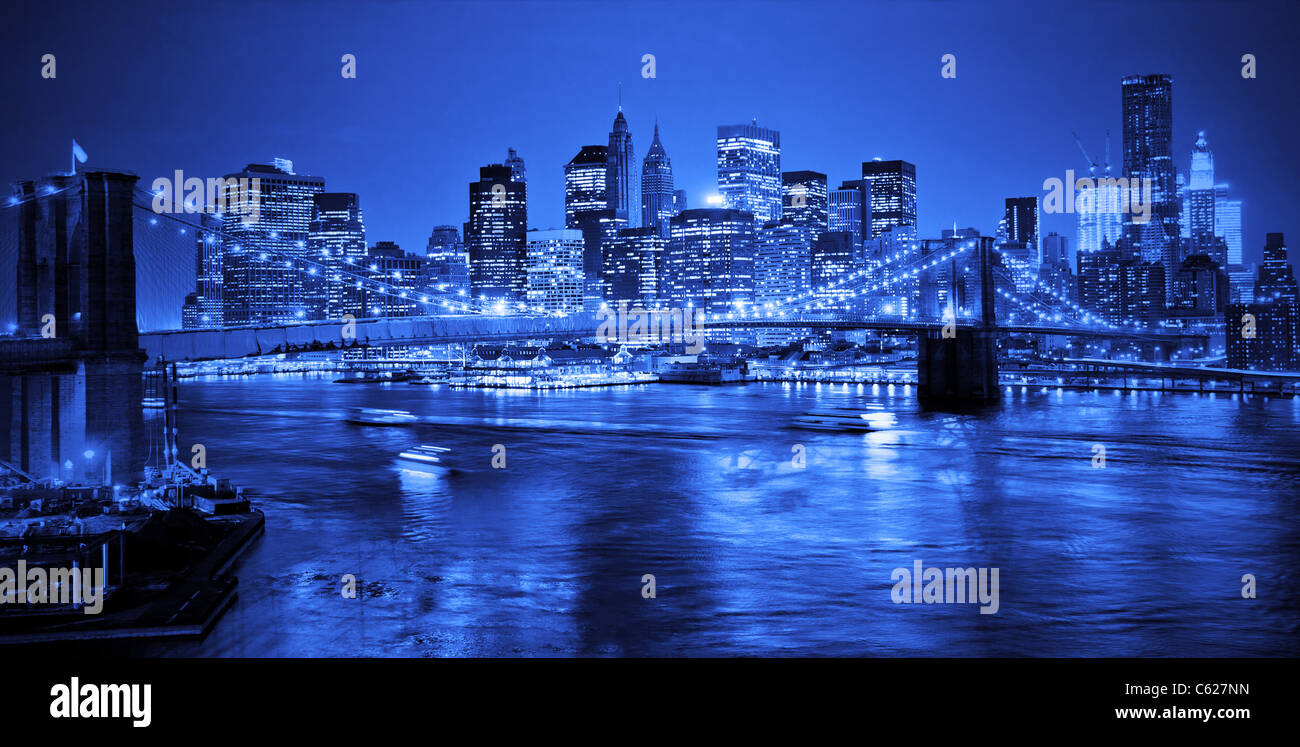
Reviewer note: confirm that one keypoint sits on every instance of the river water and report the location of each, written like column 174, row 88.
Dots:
column 752, row 554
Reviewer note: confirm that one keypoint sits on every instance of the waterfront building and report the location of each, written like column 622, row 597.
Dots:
column 264, row 262
column 892, row 193
column 336, row 239
column 1263, row 336
column 631, row 265
column 749, row 170
column 710, row 259
column 494, row 234
column 554, row 270
column 782, row 262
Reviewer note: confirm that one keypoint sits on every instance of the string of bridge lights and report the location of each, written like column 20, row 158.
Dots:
column 460, row 300
column 1087, row 315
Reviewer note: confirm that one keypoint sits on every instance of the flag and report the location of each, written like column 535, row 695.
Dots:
column 78, row 152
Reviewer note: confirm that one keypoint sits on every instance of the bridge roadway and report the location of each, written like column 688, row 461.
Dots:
column 241, row 342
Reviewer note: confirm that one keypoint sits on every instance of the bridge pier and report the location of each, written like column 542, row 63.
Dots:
column 963, row 368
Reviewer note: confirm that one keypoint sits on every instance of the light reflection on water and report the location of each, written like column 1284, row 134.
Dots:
column 752, row 555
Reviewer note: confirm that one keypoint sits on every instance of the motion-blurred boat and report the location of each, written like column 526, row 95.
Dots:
column 845, row 421
column 375, row 416
column 425, row 456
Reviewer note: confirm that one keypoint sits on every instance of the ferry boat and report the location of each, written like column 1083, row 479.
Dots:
column 425, row 456
column 863, row 422
column 375, row 416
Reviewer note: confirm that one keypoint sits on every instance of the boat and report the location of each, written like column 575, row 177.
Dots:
column 863, row 422
column 373, row 377
column 375, row 416
column 425, row 456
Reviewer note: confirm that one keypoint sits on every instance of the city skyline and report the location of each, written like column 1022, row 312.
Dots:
column 404, row 210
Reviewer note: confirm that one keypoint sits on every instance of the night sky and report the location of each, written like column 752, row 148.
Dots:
column 443, row 88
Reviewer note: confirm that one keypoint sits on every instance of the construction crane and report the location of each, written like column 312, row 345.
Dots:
column 1092, row 165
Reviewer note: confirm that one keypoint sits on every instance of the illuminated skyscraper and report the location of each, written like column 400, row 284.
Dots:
column 1020, row 226
column 657, row 203
column 1148, row 155
column 263, row 277
column 624, row 196
column 749, row 170
column 632, row 260
column 850, row 210
column 804, row 199
column 206, row 309
column 892, row 193
column 447, row 261
column 555, row 277
column 711, row 259
column 584, row 184
column 494, row 234
column 1201, row 202
column 394, row 276
column 782, row 262
column 1276, row 276
column 336, row 238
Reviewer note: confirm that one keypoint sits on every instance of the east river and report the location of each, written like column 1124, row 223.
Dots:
column 751, row 553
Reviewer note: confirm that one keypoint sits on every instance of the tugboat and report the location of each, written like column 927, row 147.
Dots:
column 862, row 422
column 375, row 416
column 427, row 457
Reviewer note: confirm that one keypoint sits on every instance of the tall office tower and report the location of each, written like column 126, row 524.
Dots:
column 657, row 196
column 632, row 259
column 585, row 184
column 833, row 254
column 1118, row 286
column 1273, row 338
column 624, row 196
column 555, row 277
column 517, row 171
column 1055, row 270
column 679, row 201
column 804, row 199
column 206, row 310
column 1276, row 279
column 782, row 262
column 494, row 234
column 447, row 262
column 711, row 260
column 1020, row 223
column 1099, row 215
column 598, row 228
column 1201, row 202
column 1201, row 286
column 850, row 211
column 394, row 278
column 336, row 238
column 893, row 194
column 749, row 170
column 1227, row 223
column 263, row 279
column 1148, row 155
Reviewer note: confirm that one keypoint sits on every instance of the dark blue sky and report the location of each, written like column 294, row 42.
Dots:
column 445, row 87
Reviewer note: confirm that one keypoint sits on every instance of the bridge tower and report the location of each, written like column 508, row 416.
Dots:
column 70, row 383
column 960, row 364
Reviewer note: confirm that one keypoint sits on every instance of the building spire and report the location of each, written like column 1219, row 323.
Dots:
column 620, row 95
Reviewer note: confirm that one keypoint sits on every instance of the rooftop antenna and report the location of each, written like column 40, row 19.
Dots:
column 620, row 95
column 1107, row 151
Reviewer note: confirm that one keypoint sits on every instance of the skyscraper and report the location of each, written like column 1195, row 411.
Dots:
column 1020, row 226
column 624, row 196
column 263, row 279
column 207, row 309
column 494, row 234
column 893, row 194
column 632, row 261
column 585, row 187
column 447, row 262
column 711, row 259
column 804, row 199
column 850, row 210
column 336, row 238
column 782, row 262
column 1276, row 277
column 833, row 254
column 657, row 203
column 749, row 170
column 393, row 276
column 555, row 277
column 1148, row 155
column 1201, row 203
